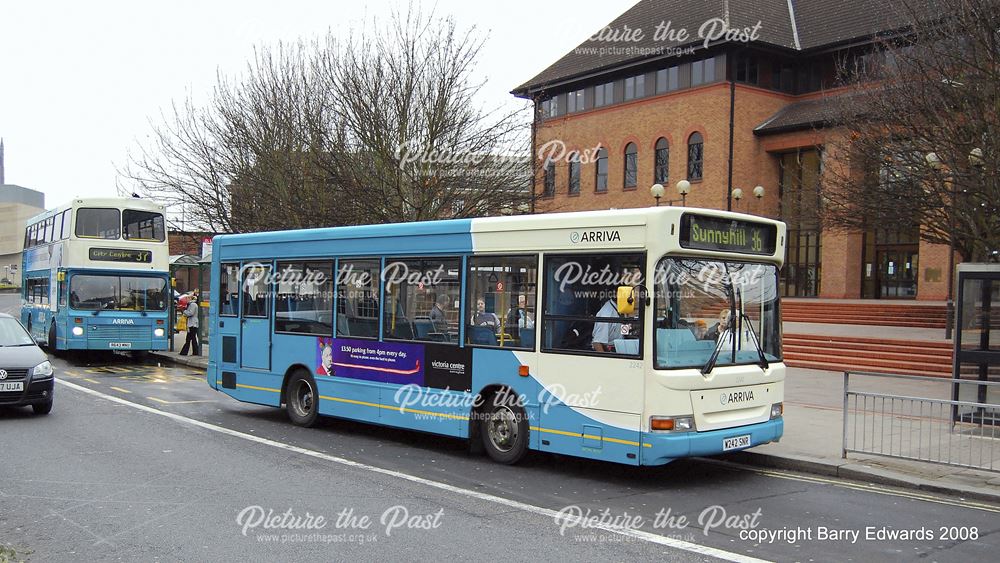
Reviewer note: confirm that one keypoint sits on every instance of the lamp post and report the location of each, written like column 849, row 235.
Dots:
column 657, row 192
column 684, row 188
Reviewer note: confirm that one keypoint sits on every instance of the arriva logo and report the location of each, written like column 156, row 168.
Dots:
column 736, row 397
column 123, row 322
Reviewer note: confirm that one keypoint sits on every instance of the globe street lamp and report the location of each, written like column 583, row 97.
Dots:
column 657, row 192
column 737, row 196
column 684, row 188
column 758, row 193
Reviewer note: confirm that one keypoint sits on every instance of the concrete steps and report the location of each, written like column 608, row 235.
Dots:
column 876, row 313
column 843, row 353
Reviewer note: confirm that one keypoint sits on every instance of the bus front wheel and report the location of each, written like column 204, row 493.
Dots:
column 504, row 429
column 302, row 399
column 52, row 337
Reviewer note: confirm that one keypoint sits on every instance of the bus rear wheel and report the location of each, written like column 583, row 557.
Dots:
column 504, row 429
column 302, row 399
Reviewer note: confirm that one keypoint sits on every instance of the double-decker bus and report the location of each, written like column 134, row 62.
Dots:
column 633, row 336
column 95, row 276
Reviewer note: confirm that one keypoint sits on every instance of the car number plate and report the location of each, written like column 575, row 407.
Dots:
column 11, row 386
column 119, row 344
column 736, row 442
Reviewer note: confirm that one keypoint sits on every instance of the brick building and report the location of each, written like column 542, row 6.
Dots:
column 638, row 103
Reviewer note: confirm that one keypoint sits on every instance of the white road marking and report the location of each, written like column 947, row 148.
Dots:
column 547, row 512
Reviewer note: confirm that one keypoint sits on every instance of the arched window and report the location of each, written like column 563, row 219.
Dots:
column 550, row 179
column 574, row 173
column 696, row 156
column 661, row 165
column 601, row 175
column 631, row 165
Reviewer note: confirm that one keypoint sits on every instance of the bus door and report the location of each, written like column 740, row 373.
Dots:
column 255, row 317
column 228, row 324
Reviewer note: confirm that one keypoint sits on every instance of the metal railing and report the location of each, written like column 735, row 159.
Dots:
column 934, row 429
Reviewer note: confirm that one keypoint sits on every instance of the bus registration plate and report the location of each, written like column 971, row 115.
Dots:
column 119, row 345
column 11, row 386
column 736, row 442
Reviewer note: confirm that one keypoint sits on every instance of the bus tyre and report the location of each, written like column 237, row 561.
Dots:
column 302, row 399
column 52, row 337
column 42, row 408
column 504, row 429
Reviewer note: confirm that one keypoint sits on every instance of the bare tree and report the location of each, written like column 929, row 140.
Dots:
column 383, row 127
column 919, row 133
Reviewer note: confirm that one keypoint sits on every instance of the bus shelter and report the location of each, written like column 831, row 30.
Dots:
column 190, row 274
column 977, row 342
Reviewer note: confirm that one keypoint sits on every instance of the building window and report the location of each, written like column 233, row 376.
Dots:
column 746, row 70
column 549, row 187
column 631, row 165
column 703, row 71
column 635, row 87
column 500, row 300
column 574, row 102
column 661, row 164
column 604, row 94
column 574, row 173
column 601, row 174
column 550, row 107
column 783, row 78
column 696, row 156
column 421, row 299
column 667, row 79
column 580, row 315
column 799, row 195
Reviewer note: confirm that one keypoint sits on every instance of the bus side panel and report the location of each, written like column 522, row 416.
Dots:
column 438, row 411
column 501, row 368
column 348, row 398
column 261, row 388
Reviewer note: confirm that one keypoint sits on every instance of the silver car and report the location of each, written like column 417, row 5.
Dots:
column 26, row 376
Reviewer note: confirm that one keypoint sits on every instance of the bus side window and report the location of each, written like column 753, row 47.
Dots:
column 357, row 298
column 580, row 310
column 420, row 299
column 229, row 290
column 500, row 301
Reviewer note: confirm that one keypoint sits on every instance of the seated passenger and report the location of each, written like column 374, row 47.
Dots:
column 484, row 318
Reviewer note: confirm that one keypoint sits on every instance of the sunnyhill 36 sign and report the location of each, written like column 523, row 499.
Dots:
column 727, row 235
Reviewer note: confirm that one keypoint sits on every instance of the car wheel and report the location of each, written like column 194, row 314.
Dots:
column 42, row 408
column 302, row 399
column 505, row 429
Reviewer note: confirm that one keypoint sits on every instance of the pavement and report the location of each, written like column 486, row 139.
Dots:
column 814, row 424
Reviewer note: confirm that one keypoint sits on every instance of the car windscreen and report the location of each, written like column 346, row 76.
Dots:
column 12, row 333
column 117, row 293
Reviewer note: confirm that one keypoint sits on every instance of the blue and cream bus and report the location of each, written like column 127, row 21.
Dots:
column 634, row 336
column 95, row 276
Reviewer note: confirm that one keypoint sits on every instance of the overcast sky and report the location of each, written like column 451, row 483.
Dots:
column 80, row 81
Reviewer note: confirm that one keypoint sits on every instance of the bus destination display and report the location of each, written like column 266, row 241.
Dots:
column 727, row 235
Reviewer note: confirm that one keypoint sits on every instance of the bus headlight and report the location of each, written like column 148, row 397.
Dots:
column 78, row 331
column 41, row 371
column 158, row 332
column 671, row 423
column 776, row 410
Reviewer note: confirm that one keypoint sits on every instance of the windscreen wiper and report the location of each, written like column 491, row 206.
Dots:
column 710, row 364
column 756, row 342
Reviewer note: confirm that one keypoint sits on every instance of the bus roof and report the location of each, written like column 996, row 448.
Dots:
column 113, row 202
column 525, row 232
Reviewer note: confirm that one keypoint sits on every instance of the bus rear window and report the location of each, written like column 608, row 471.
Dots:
column 143, row 225
column 98, row 223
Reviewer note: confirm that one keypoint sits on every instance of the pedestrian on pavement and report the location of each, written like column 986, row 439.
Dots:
column 191, row 315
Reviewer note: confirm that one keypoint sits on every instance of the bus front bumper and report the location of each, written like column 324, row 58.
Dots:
column 661, row 448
